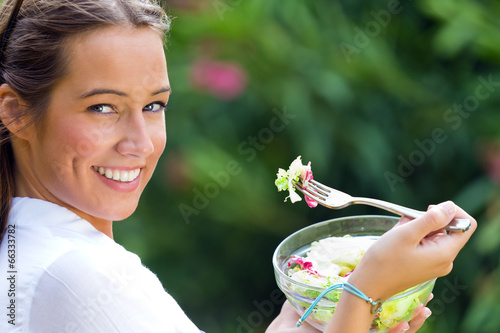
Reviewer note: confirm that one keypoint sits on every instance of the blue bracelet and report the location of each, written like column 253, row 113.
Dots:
column 376, row 305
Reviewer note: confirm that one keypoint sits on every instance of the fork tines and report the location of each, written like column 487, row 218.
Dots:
column 317, row 186
column 311, row 190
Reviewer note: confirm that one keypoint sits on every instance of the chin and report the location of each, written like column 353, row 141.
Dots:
column 117, row 213
column 122, row 215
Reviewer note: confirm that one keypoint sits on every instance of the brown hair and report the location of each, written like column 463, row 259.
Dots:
column 34, row 58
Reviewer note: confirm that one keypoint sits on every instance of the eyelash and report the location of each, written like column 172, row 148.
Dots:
column 93, row 108
column 163, row 106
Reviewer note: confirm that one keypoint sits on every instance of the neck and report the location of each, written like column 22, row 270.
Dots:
column 25, row 188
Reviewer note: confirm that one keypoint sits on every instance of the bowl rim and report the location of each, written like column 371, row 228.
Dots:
column 281, row 274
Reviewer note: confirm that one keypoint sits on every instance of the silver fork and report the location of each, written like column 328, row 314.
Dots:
column 336, row 199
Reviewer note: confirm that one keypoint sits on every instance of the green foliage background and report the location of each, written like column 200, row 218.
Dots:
column 364, row 101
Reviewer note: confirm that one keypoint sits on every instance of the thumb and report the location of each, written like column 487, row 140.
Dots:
column 434, row 219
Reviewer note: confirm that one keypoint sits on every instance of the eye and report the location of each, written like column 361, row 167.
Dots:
column 101, row 108
column 155, row 107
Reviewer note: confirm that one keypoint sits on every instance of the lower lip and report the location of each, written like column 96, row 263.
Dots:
column 120, row 186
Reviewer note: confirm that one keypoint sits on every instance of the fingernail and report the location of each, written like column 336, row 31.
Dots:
column 426, row 312
column 448, row 207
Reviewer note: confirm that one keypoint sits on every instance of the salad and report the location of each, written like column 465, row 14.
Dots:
column 296, row 171
column 330, row 261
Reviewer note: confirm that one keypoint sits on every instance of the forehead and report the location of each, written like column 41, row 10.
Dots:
column 122, row 58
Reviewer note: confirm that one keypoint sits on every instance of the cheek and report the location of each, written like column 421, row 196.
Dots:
column 72, row 143
column 159, row 140
column 87, row 141
column 54, row 157
column 162, row 143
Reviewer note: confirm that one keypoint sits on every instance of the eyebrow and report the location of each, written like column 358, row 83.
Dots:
column 99, row 91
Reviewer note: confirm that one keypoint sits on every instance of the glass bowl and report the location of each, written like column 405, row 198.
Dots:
column 395, row 310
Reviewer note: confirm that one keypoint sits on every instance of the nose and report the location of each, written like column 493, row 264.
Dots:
column 136, row 141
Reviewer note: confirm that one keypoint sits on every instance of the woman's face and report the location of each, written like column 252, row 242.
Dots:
column 104, row 130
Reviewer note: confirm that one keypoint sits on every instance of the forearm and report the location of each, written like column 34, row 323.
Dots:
column 352, row 315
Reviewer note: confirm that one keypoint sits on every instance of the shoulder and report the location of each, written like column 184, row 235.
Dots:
column 108, row 291
column 49, row 238
column 72, row 278
column 96, row 270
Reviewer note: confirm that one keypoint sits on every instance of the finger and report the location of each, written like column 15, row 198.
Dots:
column 291, row 317
column 431, row 296
column 417, row 322
column 401, row 328
column 461, row 214
column 288, row 310
column 457, row 240
column 403, row 220
column 434, row 234
column 434, row 219
column 417, row 311
column 286, row 322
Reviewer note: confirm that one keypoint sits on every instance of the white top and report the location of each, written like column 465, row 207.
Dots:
column 66, row 276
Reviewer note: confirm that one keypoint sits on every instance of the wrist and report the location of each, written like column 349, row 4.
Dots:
column 348, row 288
column 366, row 285
column 352, row 314
column 376, row 304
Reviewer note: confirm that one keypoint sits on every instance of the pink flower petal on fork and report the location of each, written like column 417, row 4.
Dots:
column 306, row 178
column 310, row 202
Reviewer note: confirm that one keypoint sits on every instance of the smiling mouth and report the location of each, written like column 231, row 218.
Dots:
column 118, row 175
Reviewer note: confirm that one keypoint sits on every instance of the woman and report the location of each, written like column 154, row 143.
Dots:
column 84, row 87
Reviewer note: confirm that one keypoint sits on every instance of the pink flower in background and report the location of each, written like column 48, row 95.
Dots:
column 176, row 168
column 493, row 169
column 224, row 80
column 491, row 160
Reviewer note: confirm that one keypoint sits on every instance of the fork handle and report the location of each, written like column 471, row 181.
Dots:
column 456, row 225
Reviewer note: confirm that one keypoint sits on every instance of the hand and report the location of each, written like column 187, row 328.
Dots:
column 411, row 253
column 286, row 322
column 419, row 316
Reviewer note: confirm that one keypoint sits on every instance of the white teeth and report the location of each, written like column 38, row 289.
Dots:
column 124, row 176
column 118, row 175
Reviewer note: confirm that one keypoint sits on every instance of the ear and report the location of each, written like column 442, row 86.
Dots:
column 12, row 111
